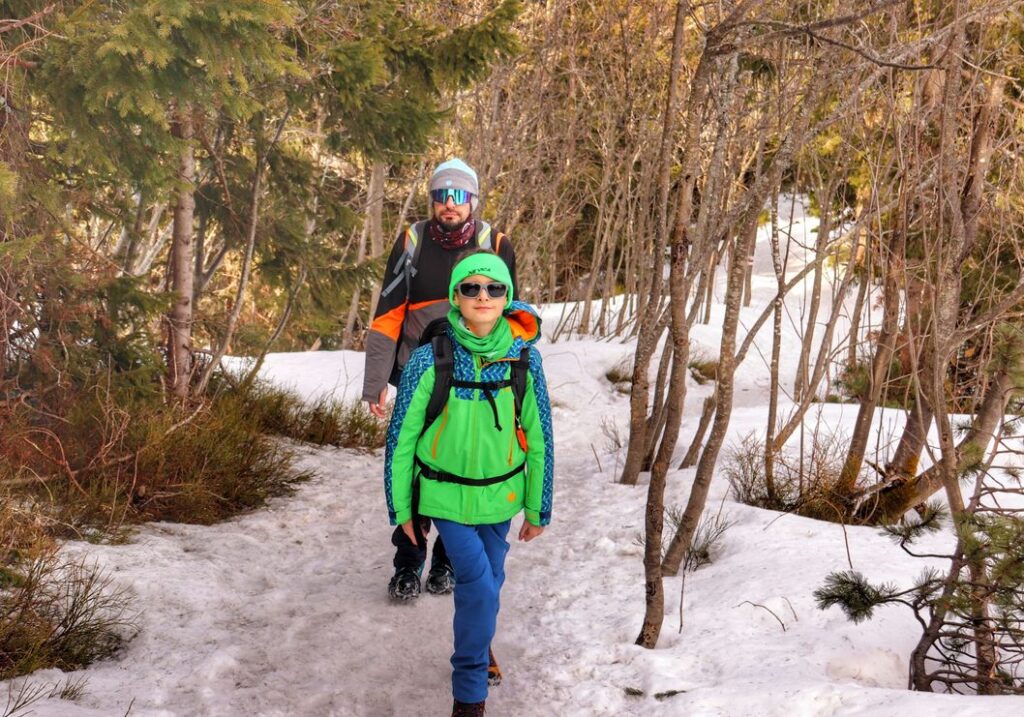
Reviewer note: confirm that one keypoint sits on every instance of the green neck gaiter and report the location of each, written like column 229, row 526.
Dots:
column 490, row 347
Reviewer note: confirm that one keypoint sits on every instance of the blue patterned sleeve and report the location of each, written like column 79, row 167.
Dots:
column 540, row 454
column 404, row 431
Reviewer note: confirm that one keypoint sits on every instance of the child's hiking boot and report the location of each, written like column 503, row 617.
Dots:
column 440, row 579
column 405, row 585
column 493, row 671
column 468, row 709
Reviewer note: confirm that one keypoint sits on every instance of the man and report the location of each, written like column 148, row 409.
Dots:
column 414, row 292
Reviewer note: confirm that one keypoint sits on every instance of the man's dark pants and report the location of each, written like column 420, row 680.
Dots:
column 408, row 555
column 412, row 556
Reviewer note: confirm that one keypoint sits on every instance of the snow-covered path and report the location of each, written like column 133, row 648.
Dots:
column 283, row 612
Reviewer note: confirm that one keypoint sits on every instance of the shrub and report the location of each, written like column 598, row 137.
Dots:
column 330, row 422
column 703, row 368
column 61, row 614
column 743, row 467
column 209, row 468
column 115, row 455
column 327, row 422
column 53, row 612
column 802, row 484
column 24, row 695
column 706, row 538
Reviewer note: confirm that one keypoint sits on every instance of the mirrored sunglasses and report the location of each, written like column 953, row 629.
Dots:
column 471, row 290
column 459, row 196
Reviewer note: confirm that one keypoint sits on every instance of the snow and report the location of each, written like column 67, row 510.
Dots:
column 283, row 612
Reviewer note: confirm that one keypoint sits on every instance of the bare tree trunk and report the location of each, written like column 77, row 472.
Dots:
column 905, row 458
column 726, row 382
column 654, row 514
column 601, row 239
column 900, row 496
column 880, row 366
column 983, row 430
column 800, row 386
column 920, row 679
column 748, row 281
column 951, row 242
column 858, row 308
column 648, row 318
column 373, row 229
column 706, row 286
column 774, row 384
column 706, row 414
column 748, row 210
column 179, row 342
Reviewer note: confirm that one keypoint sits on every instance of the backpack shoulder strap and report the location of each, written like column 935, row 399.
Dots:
column 405, row 269
column 520, row 370
column 444, row 368
column 498, row 236
column 413, row 246
column 483, row 235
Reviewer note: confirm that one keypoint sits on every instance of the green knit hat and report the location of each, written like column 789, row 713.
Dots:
column 490, row 265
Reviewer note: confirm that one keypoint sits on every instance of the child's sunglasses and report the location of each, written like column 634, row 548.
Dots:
column 459, row 196
column 471, row 290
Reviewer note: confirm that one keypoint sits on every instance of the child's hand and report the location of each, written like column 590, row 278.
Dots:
column 529, row 531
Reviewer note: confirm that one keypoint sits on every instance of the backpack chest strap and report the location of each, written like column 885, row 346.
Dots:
column 487, row 387
column 445, row 477
column 483, row 385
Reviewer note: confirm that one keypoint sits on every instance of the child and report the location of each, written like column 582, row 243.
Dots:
column 481, row 461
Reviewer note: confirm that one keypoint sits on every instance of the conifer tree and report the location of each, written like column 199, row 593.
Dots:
column 131, row 82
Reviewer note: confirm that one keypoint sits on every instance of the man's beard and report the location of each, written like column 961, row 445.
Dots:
column 451, row 227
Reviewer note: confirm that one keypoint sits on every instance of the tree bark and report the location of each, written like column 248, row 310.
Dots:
column 800, row 383
column 649, row 315
column 179, row 343
column 706, row 414
column 773, row 368
column 748, row 209
column 726, row 382
column 901, row 495
column 879, row 368
column 654, row 514
column 857, row 314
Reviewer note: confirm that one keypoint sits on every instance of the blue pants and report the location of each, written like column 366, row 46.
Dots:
column 478, row 554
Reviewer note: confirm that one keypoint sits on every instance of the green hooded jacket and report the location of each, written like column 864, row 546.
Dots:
column 472, row 440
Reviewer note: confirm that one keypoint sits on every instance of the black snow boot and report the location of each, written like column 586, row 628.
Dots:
column 405, row 585
column 468, row 709
column 493, row 671
column 440, row 579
